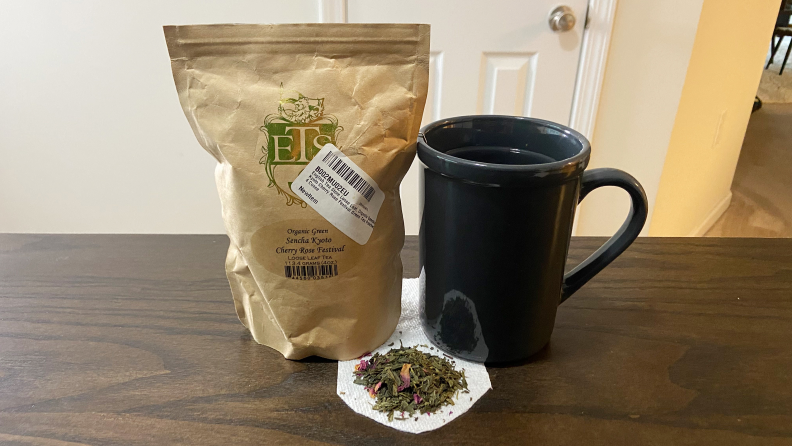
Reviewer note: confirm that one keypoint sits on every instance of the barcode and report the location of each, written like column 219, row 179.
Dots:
column 349, row 175
column 305, row 272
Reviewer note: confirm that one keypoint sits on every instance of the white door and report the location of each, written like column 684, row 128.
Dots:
column 488, row 57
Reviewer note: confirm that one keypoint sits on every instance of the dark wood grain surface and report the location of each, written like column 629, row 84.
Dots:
column 109, row 339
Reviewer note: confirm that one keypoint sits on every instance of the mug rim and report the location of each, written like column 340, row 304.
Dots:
column 493, row 173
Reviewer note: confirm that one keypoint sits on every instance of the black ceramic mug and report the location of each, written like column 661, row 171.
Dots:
column 500, row 194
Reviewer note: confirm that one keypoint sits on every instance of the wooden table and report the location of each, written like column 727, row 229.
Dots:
column 109, row 339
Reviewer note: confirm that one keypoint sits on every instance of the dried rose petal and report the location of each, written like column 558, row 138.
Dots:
column 363, row 365
column 376, row 388
column 417, row 398
column 405, row 377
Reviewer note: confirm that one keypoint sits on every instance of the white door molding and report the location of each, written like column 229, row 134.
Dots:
column 333, row 11
column 591, row 68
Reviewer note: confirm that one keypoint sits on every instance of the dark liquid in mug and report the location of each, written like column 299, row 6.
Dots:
column 500, row 155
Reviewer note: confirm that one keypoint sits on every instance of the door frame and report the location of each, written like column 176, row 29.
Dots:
column 591, row 64
column 333, row 11
column 591, row 70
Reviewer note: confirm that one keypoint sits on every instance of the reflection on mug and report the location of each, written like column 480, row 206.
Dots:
column 458, row 328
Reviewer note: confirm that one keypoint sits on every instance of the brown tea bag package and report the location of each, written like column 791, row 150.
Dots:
column 313, row 127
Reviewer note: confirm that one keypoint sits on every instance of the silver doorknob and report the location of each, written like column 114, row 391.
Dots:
column 561, row 19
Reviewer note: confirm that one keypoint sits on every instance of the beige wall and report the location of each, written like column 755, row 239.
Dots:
column 722, row 78
column 647, row 61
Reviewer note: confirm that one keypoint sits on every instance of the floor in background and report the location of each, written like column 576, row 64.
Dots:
column 762, row 189
column 774, row 87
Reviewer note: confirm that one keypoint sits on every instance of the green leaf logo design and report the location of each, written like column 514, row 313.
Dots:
column 293, row 136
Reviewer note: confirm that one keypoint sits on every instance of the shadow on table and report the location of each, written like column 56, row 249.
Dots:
column 542, row 354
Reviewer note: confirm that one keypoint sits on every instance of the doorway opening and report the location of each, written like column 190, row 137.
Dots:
column 761, row 203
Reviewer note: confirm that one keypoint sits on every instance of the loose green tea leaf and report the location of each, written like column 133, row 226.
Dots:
column 407, row 380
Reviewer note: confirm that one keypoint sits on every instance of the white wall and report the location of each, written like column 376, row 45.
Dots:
column 92, row 137
column 648, row 58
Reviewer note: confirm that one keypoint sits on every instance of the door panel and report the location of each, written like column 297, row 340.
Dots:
column 506, row 83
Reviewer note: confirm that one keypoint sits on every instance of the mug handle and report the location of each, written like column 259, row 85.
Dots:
column 592, row 179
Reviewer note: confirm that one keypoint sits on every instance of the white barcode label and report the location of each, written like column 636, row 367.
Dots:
column 349, row 175
column 341, row 192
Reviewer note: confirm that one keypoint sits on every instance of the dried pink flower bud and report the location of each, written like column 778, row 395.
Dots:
column 405, row 377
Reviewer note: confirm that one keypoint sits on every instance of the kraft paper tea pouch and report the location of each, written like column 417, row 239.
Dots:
column 313, row 127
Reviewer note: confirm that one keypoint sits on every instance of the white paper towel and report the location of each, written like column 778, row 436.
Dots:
column 410, row 333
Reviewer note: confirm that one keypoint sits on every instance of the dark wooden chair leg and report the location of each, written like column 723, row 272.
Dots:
column 773, row 49
column 789, row 48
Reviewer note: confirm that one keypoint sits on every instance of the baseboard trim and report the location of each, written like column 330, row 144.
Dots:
column 712, row 217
